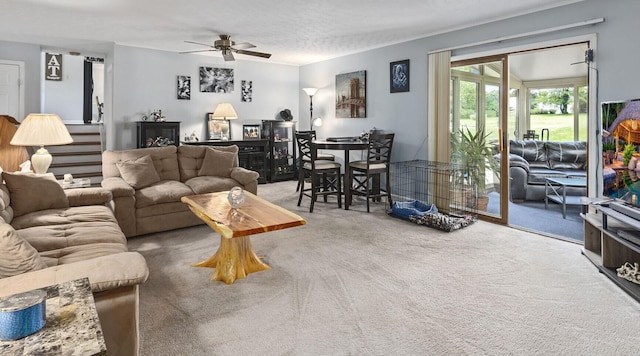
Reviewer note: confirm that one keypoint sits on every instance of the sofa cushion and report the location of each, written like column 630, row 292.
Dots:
column 16, row 255
column 6, row 211
column 567, row 155
column 60, row 228
column 139, row 173
column 538, row 176
column 574, row 173
column 190, row 158
column 78, row 253
column 33, row 192
column 167, row 191
column 217, row 163
column 165, row 160
column 209, row 184
column 531, row 150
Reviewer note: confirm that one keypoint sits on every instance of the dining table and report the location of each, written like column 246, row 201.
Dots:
column 346, row 145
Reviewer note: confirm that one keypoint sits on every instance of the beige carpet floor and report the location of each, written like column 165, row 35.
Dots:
column 352, row 283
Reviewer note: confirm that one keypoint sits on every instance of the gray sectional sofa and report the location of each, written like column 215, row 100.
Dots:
column 532, row 161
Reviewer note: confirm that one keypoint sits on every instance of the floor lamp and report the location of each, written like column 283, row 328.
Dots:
column 41, row 130
column 311, row 92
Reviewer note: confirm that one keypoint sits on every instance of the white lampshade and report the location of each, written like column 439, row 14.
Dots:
column 310, row 91
column 41, row 130
column 225, row 111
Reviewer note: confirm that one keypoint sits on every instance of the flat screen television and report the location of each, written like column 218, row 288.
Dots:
column 620, row 132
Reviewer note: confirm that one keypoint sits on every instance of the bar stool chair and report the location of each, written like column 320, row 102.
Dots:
column 366, row 175
column 321, row 156
column 324, row 176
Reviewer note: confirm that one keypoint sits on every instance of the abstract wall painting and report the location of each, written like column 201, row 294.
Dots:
column 351, row 94
column 216, row 80
column 246, row 87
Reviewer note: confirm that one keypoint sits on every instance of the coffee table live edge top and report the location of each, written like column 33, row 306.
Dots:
column 255, row 216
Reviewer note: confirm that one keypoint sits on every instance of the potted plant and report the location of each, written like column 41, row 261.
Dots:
column 471, row 150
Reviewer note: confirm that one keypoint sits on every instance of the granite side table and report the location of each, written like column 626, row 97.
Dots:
column 72, row 326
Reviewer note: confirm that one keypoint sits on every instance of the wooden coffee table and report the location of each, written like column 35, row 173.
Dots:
column 235, row 257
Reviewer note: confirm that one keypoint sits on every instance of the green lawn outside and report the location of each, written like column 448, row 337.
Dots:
column 560, row 126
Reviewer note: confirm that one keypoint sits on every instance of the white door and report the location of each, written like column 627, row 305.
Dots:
column 11, row 96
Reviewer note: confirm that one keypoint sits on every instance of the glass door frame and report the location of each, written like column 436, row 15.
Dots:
column 503, row 147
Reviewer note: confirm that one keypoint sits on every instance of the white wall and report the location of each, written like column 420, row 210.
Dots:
column 145, row 80
column 65, row 97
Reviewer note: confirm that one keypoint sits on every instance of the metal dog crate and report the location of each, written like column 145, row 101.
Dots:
column 439, row 183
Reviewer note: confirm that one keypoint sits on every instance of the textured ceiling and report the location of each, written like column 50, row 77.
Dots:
column 295, row 32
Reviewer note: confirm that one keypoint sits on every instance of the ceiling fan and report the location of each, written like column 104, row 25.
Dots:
column 227, row 47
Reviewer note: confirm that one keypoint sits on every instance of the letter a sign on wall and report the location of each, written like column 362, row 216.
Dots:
column 53, row 66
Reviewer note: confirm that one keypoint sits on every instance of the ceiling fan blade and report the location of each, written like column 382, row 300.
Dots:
column 201, row 50
column 198, row 43
column 252, row 53
column 228, row 56
column 243, row 45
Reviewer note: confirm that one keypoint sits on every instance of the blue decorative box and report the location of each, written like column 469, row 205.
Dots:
column 22, row 314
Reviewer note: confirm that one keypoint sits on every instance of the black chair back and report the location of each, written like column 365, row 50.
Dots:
column 379, row 152
column 303, row 140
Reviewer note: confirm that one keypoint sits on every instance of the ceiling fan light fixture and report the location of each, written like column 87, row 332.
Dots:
column 226, row 46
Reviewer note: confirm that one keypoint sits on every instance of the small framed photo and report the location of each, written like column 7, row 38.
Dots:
column 399, row 76
column 250, row 132
column 218, row 129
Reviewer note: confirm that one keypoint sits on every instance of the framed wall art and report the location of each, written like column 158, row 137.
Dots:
column 399, row 76
column 218, row 129
column 184, row 87
column 246, row 87
column 351, row 95
column 216, row 80
column 250, row 132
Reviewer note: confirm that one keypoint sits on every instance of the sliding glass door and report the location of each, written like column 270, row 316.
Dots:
column 478, row 122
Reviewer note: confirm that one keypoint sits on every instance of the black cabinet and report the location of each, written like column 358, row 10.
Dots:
column 282, row 150
column 157, row 133
column 252, row 154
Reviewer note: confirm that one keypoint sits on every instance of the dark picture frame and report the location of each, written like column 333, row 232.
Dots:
column 399, row 76
column 216, row 80
column 218, row 129
column 251, row 132
column 351, row 95
column 184, row 87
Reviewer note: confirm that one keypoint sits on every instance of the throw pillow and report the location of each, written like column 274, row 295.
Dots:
column 217, row 163
column 18, row 256
column 33, row 192
column 139, row 173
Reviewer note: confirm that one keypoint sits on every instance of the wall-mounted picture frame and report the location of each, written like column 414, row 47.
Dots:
column 351, row 95
column 184, row 87
column 251, row 132
column 399, row 76
column 218, row 129
column 216, row 80
column 246, row 88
